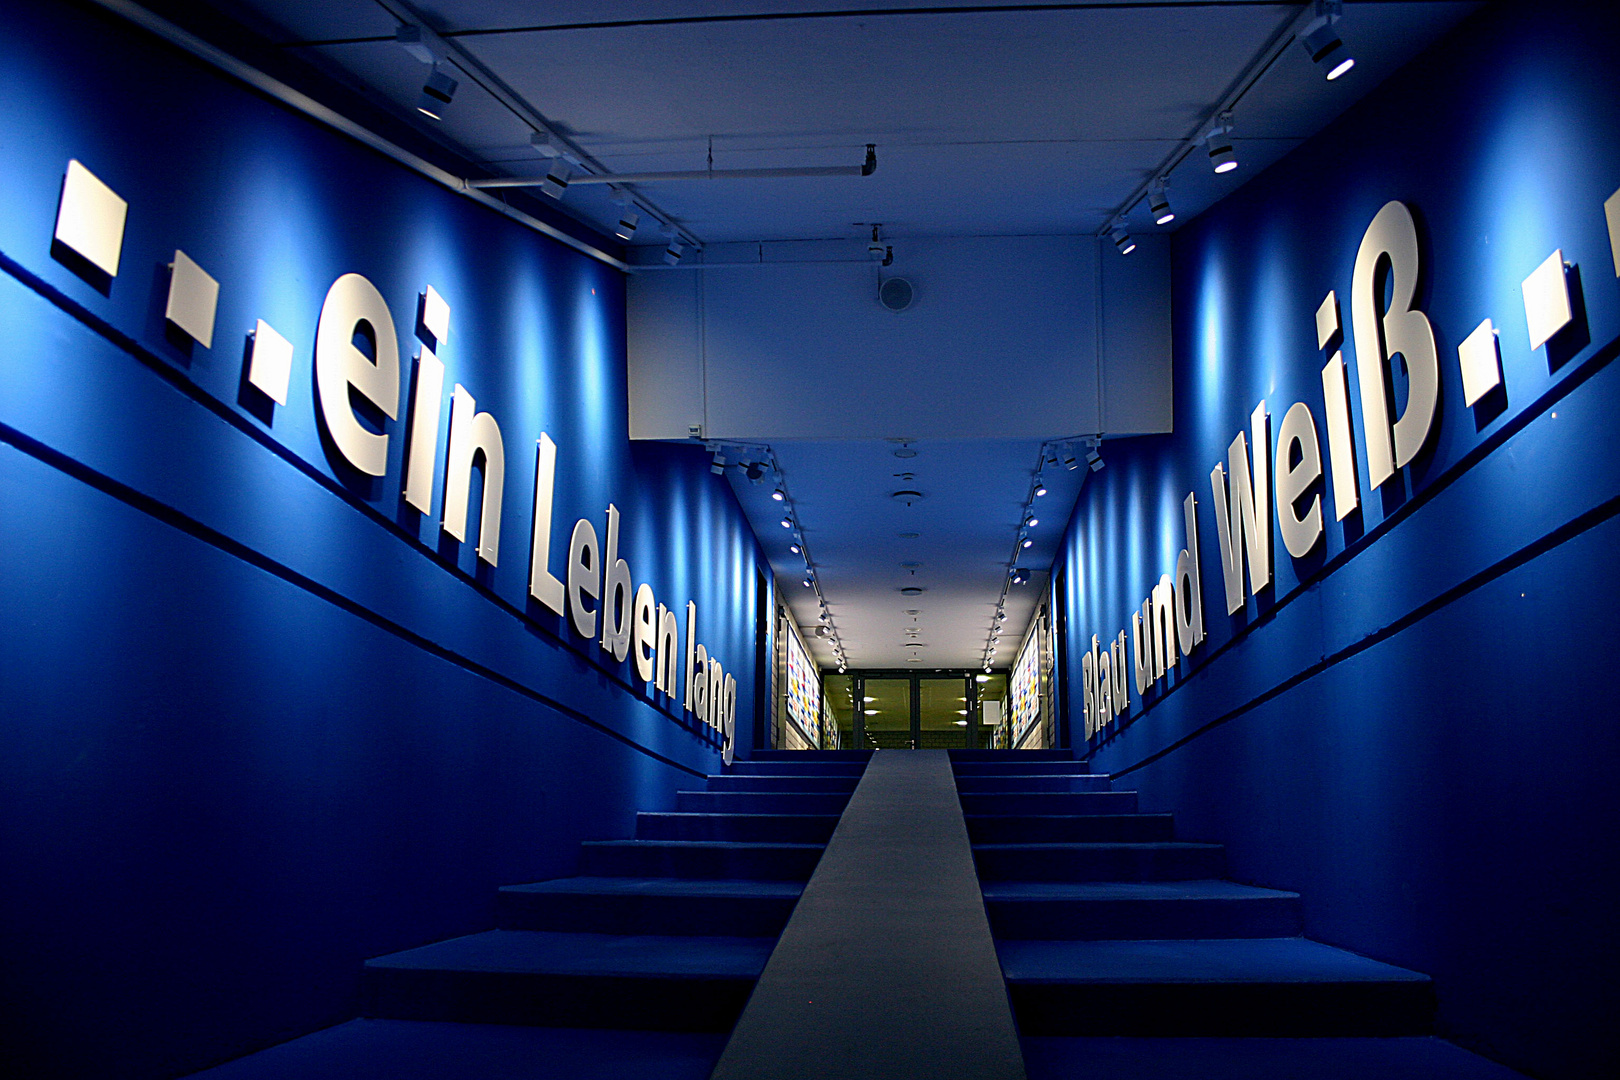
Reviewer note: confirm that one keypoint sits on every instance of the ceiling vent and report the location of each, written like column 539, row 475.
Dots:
column 896, row 294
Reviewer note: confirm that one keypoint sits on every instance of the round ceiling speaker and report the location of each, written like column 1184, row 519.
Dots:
column 896, row 294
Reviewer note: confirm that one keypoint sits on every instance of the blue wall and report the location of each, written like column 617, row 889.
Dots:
column 260, row 722
column 1413, row 725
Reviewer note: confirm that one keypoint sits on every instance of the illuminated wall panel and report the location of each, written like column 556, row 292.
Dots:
column 266, row 716
column 1393, row 715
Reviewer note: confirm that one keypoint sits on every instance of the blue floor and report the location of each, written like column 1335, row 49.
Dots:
column 1419, row 1058
column 636, row 969
column 418, row 1050
column 1128, row 956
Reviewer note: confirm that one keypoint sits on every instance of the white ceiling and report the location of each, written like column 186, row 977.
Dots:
column 1032, row 120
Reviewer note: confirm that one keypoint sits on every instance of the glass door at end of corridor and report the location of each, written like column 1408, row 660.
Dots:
column 943, row 711
column 885, row 712
column 906, row 711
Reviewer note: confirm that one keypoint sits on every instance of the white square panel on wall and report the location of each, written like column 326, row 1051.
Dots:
column 270, row 366
column 1481, row 365
column 193, row 296
column 90, row 221
column 1546, row 300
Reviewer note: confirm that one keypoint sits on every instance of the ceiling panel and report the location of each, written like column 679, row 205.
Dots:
column 988, row 123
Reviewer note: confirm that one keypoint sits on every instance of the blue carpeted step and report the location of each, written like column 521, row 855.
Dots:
column 811, row 755
column 844, row 784
column 660, row 983
column 712, row 859
column 427, row 1050
column 1049, row 802
column 1021, row 768
column 1414, row 1058
column 1021, row 783
column 1159, row 861
column 1120, row 910
column 1011, row 755
column 625, row 905
column 1245, row 986
column 797, row 768
column 1069, row 828
column 745, row 828
column 761, row 802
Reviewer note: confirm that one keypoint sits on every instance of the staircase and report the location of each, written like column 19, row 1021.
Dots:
column 637, row 967
column 1108, row 926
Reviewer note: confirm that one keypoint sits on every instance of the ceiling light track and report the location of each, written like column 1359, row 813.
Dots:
column 493, row 85
column 300, row 102
column 1053, row 452
column 748, row 457
column 1303, row 24
column 865, row 169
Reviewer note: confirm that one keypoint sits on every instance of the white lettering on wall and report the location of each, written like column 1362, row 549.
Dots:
column 644, row 633
column 1341, row 444
column 544, row 586
column 584, row 577
column 1189, row 585
column 1392, row 236
column 353, row 305
column 618, row 595
column 474, row 435
column 424, row 432
column 1243, row 523
column 1299, row 467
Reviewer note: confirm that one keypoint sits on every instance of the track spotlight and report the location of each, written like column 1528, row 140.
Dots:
column 1322, row 43
column 718, row 465
column 1028, row 542
column 673, row 253
column 779, row 495
column 1070, row 462
column 1033, row 521
column 1221, row 156
column 1122, row 240
column 875, row 246
column 1020, row 576
column 754, row 471
column 1001, row 616
column 808, row 583
column 1094, row 460
column 787, row 523
column 628, row 220
column 795, row 548
column 436, row 93
column 419, row 43
column 548, row 145
column 556, row 182
column 1159, row 204
column 1040, row 489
